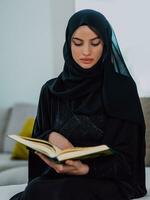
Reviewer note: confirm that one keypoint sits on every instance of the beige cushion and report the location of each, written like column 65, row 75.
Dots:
column 146, row 109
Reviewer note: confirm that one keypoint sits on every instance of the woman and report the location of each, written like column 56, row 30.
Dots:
column 93, row 101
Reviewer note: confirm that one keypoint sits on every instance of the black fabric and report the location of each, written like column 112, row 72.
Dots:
column 85, row 188
column 89, row 107
column 125, row 169
column 78, row 83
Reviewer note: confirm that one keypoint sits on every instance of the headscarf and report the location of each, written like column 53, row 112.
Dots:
column 107, row 84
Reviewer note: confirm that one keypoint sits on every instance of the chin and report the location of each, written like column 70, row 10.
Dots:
column 86, row 66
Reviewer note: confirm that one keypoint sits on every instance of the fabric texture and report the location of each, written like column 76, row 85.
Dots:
column 116, row 133
column 20, row 151
column 122, row 168
column 88, row 189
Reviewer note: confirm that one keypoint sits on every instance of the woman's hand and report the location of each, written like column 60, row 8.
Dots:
column 74, row 167
column 59, row 140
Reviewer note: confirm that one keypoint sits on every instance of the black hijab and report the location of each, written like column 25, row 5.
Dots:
column 107, row 84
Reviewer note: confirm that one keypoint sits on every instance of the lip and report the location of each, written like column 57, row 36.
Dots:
column 86, row 60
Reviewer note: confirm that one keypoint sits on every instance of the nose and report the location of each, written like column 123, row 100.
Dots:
column 86, row 50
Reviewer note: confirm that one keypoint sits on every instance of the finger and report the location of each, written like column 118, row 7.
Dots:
column 69, row 162
column 46, row 160
column 76, row 163
column 71, row 170
column 57, row 167
column 66, row 169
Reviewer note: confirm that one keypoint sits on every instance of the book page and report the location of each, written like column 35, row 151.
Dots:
column 85, row 152
column 57, row 150
column 43, row 147
column 85, row 149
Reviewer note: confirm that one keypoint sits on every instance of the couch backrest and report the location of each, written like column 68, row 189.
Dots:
column 145, row 101
column 20, row 112
column 4, row 116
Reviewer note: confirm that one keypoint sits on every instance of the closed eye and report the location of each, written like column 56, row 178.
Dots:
column 77, row 42
column 96, row 41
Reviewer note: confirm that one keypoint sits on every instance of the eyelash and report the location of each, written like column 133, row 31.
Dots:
column 91, row 44
column 96, row 44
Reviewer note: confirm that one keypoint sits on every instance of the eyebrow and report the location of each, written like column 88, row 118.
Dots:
column 76, row 38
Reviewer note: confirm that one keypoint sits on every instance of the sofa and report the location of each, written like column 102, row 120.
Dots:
column 11, row 182
column 13, row 120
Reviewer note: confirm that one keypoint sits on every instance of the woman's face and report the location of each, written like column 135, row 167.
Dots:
column 86, row 47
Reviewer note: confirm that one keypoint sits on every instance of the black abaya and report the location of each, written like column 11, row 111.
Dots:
column 71, row 189
column 121, row 174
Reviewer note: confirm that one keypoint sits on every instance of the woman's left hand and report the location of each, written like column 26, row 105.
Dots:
column 74, row 167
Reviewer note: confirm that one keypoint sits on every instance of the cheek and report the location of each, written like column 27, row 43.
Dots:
column 98, row 52
column 75, row 52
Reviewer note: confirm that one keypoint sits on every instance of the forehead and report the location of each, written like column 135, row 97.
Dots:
column 84, row 32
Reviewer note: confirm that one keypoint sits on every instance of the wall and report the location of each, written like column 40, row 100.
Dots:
column 61, row 13
column 25, row 50
column 31, row 40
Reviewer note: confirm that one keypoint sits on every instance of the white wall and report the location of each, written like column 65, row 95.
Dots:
column 30, row 36
column 61, row 11
column 130, row 22
column 31, row 42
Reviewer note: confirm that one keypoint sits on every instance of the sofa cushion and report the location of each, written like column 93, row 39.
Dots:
column 8, row 191
column 19, row 114
column 4, row 116
column 146, row 109
column 7, row 163
column 10, row 176
column 20, row 151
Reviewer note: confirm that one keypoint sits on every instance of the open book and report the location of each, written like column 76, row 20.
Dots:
column 55, row 153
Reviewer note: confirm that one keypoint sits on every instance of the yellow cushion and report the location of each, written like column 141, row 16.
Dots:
column 20, row 151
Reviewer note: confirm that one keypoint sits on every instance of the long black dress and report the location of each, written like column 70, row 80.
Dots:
column 116, row 177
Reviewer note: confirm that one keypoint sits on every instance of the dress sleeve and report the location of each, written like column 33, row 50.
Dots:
column 42, row 125
column 41, row 129
column 122, row 136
